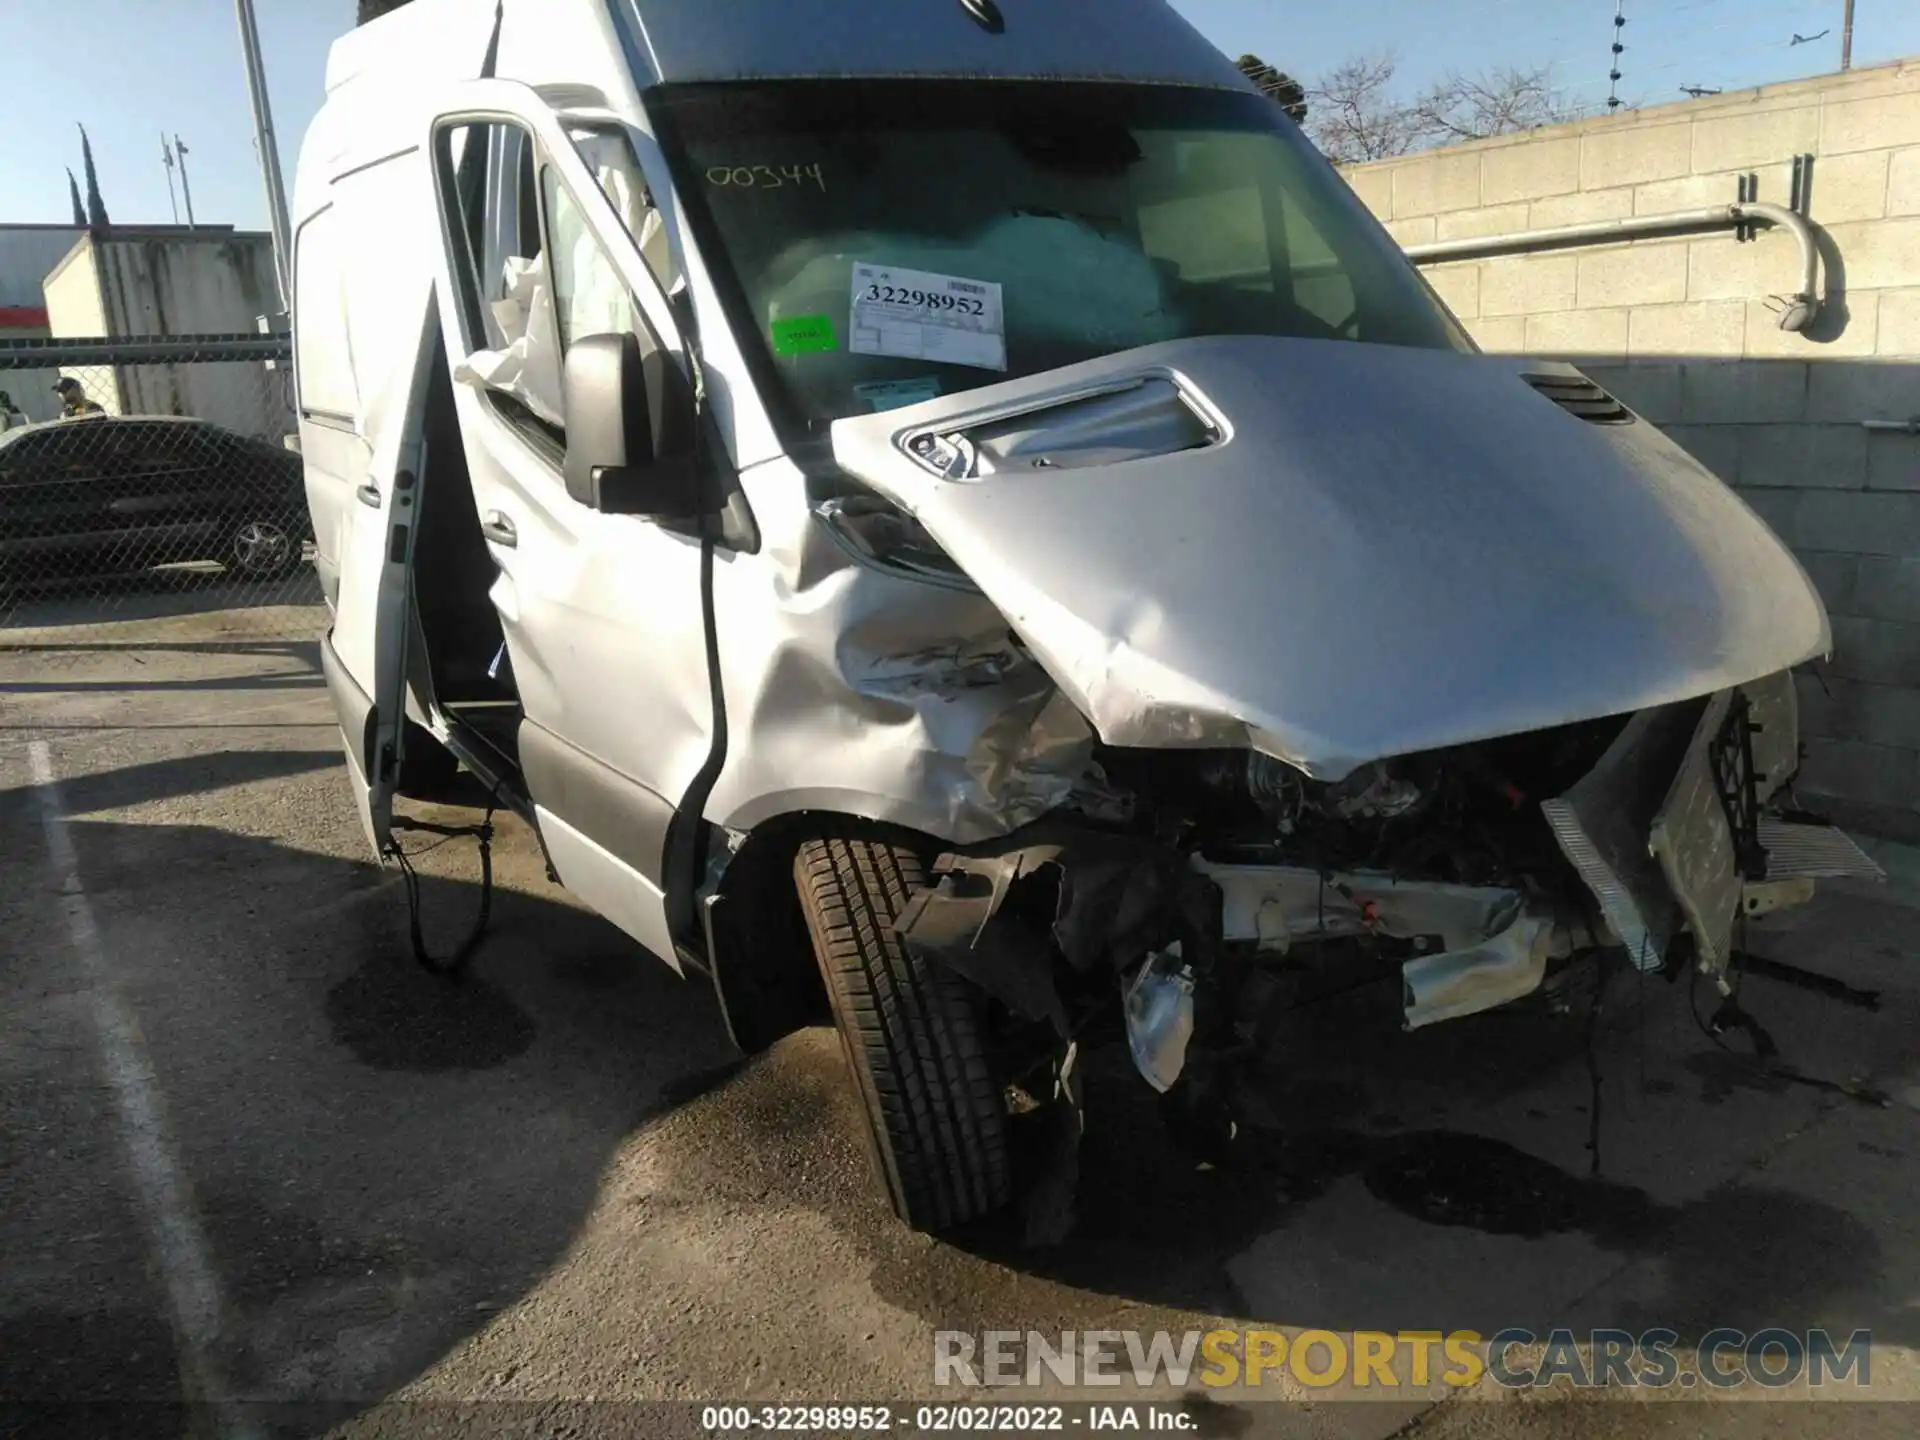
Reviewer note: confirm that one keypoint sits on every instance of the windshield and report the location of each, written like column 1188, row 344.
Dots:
column 885, row 242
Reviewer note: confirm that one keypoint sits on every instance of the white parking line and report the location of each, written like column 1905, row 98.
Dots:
column 193, row 1292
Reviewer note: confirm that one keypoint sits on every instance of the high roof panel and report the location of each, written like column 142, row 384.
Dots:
column 1137, row 40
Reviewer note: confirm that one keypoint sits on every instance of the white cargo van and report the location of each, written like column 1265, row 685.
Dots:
column 955, row 499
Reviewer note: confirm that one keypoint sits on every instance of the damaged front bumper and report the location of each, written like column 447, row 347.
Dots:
column 1475, row 946
column 1669, row 830
column 1689, row 856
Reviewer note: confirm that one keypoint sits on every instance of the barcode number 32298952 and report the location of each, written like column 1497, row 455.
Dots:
column 924, row 299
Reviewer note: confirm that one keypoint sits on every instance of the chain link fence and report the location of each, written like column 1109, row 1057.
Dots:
column 142, row 479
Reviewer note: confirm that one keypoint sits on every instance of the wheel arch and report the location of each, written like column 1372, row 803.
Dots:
column 758, row 950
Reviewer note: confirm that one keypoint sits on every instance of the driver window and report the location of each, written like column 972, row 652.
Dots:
column 589, row 297
column 536, row 276
column 515, row 359
column 609, row 155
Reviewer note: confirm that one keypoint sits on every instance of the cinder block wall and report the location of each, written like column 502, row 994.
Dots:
column 1685, row 331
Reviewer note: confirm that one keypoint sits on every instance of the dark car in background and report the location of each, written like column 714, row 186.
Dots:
column 114, row 495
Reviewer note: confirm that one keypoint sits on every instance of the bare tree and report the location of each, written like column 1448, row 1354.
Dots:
column 1276, row 85
column 1353, row 115
column 1497, row 102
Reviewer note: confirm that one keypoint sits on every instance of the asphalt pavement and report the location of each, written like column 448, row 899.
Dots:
column 252, row 1157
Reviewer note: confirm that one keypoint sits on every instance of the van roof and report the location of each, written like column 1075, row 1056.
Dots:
column 676, row 41
column 1145, row 40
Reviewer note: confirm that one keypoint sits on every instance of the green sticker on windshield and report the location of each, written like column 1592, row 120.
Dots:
column 804, row 335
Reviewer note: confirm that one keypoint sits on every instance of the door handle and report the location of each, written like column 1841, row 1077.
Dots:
column 499, row 529
column 369, row 495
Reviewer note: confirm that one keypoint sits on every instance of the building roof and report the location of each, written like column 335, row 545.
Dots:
column 7, row 225
column 86, row 240
column 27, row 253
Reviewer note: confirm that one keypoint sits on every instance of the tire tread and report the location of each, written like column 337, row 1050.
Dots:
column 911, row 1032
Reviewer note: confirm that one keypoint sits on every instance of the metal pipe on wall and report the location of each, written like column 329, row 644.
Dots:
column 269, row 152
column 1803, row 306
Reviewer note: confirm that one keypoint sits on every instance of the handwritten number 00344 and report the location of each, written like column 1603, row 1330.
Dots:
column 925, row 299
column 765, row 177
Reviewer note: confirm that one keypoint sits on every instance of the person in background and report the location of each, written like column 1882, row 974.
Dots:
column 73, row 400
column 10, row 415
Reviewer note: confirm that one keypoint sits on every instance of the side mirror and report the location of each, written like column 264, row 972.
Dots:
column 630, row 429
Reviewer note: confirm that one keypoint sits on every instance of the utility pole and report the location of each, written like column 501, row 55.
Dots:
column 1614, row 102
column 186, row 185
column 269, row 151
column 1846, row 38
column 166, row 159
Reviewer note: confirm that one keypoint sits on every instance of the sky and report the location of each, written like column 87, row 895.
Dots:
column 141, row 67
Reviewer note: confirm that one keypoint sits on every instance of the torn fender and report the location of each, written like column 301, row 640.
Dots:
column 855, row 691
column 1114, row 899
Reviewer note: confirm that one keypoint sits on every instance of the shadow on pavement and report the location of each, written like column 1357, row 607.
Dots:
column 239, row 684
column 184, row 775
column 1390, row 1146
column 82, row 601
column 159, row 664
column 1423, row 1125
column 383, row 1161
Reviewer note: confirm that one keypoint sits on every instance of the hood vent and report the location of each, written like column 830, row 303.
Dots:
column 1577, row 395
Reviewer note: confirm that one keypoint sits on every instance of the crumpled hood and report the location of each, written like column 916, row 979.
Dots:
column 1382, row 551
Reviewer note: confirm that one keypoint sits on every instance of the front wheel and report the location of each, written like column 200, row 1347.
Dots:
column 912, row 1034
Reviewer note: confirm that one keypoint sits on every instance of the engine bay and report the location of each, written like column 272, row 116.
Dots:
column 1467, row 816
column 1180, row 877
